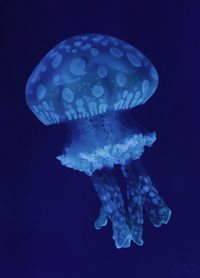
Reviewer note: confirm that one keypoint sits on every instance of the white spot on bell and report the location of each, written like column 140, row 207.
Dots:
column 79, row 102
column 145, row 86
column 116, row 52
column 41, row 91
column 45, row 105
column 102, row 71
column 67, row 95
column 121, row 79
column 134, row 60
column 97, row 90
column 77, row 66
column 81, row 109
column 67, row 48
column 69, row 115
column 104, row 43
column 92, row 108
column 77, row 43
column 102, row 108
column 98, row 38
column 135, row 100
column 73, row 112
column 86, row 46
column 125, row 94
column 137, row 94
column 127, row 102
column 84, row 38
column 94, row 51
column 56, row 61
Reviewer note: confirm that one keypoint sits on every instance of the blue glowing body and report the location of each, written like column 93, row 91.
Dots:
column 90, row 82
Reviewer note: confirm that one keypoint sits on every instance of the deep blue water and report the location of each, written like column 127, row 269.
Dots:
column 46, row 210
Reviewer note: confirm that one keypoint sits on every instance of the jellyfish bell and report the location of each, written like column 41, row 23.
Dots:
column 89, row 82
column 79, row 73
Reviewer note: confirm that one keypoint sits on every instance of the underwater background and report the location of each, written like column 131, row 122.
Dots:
column 47, row 211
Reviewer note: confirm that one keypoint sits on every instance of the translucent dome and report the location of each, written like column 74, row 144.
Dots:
column 88, row 75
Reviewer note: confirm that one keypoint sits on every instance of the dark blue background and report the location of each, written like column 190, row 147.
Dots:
column 46, row 210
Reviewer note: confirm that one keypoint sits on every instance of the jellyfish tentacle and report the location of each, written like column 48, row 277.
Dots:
column 102, row 219
column 113, row 207
column 141, row 193
column 135, row 208
column 156, row 209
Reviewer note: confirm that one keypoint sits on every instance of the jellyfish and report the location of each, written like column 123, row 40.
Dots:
column 90, row 82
